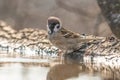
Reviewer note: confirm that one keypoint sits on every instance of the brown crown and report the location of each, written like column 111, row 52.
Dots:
column 54, row 20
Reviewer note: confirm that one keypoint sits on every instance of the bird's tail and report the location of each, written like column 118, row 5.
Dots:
column 89, row 38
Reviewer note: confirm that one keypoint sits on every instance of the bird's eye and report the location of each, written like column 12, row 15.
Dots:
column 58, row 26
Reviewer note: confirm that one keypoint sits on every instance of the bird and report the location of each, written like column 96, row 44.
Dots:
column 64, row 39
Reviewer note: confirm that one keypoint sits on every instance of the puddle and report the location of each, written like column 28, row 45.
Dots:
column 20, row 71
column 17, row 71
column 42, row 69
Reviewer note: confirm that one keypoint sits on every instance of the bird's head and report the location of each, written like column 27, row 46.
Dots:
column 53, row 25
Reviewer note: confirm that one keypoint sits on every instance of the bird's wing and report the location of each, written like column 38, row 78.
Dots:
column 69, row 34
column 81, row 38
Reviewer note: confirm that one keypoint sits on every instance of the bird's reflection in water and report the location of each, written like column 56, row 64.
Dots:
column 76, row 68
column 82, row 72
column 69, row 71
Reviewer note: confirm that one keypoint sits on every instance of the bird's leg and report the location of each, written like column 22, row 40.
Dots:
column 61, row 53
column 62, row 56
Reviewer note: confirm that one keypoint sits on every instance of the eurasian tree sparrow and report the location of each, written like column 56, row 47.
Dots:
column 62, row 38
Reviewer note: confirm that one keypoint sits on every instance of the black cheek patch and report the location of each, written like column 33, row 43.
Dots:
column 52, row 28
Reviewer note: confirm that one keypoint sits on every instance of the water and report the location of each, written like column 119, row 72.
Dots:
column 34, row 71
column 22, row 68
column 16, row 71
column 71, row 72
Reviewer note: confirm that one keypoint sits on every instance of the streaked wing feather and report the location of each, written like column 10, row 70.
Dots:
column 69, row 34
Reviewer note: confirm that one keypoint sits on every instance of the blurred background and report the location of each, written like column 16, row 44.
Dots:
column 83, row 16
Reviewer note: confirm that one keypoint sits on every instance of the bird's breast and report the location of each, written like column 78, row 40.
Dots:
column 63, row 43
column 59, row 43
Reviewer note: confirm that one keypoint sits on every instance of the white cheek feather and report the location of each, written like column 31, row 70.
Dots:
column 56, row 29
